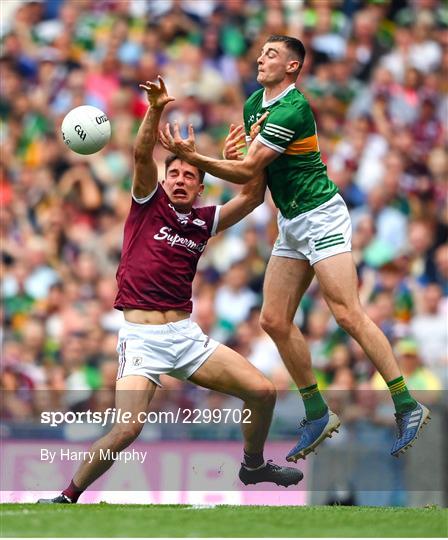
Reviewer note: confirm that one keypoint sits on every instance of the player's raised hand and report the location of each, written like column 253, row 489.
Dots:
column 234, row 143
column 174, row 143
column 157, row 94
column 256, row 128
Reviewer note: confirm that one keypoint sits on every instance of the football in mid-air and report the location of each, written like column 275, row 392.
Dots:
column 86, row 129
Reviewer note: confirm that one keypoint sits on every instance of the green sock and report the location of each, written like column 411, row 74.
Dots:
column 403, row 400
column 315, row 406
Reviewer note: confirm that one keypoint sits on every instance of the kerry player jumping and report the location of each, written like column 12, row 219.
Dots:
column 314, row 239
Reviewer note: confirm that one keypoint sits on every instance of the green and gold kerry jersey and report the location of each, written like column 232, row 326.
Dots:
column 297, row 178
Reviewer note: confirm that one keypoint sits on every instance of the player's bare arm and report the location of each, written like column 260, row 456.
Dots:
column 145, row 168
column 251, row 196
column 235, row 171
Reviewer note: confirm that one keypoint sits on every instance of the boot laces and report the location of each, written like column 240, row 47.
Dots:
column 272, row 465
column 401, row 423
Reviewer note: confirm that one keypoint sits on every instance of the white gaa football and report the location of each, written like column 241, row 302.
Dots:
column 86, row 129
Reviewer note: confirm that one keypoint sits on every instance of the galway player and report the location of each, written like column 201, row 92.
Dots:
column 314, row 239
column 164, row 237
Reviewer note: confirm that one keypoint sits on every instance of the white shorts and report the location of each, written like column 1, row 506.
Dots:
column 177, row 349
column 316, row 234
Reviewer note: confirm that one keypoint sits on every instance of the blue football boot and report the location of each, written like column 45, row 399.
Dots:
column 312, row 433
column 409, row 424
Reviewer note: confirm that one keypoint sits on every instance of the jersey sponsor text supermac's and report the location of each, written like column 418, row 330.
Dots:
column 161, row 250
column 165, row 233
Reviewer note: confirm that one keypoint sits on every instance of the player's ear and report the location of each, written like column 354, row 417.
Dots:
column 293, row 66
column 201, row 189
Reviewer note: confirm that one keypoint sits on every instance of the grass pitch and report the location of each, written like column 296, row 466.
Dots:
column 116, row 520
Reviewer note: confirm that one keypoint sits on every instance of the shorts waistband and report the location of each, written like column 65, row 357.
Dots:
column 160, row 328
column 336, row 196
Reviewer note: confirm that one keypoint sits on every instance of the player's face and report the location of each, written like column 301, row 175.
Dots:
column 182, row 184
column 273, row 63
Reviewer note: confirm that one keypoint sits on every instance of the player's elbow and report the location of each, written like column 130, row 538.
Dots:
column 257, row 198
column 249, row 205
column 140, row 156
column 248, row 170
column 253, row 199
column 241, row 177
column 143, row 153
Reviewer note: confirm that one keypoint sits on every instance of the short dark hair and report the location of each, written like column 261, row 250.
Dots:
column 172, row 157
column 293, row 45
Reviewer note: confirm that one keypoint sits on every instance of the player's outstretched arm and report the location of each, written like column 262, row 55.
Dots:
column 145, row 168
column 235, row 171
column 251, row 196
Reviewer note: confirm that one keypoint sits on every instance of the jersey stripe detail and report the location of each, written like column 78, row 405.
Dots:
column 330, row 244
column 330, row 237
column 303, row 146
column 216, row 220
column 339, row 237
column 143, row 200
column 269, row 144
column 269, row 131
column 280, row 128
column 122, row 359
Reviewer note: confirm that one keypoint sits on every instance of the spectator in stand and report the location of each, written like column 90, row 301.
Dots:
column 429, row 330
column 234, row 298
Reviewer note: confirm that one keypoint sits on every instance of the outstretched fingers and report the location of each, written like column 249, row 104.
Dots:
column 167, row 132
column 190, row 133
column 146, row 86
column 157, row 92
column 176, row 132
column 235, row 133
column 237, row 136
column 165, row 137
column 175, row 143
column 234, row 129
column 261, row 119
column 162, row 140
column 234, row 142
column 256, row 128
column 161, row 83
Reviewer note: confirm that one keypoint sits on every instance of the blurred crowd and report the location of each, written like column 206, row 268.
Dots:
column 374, row 77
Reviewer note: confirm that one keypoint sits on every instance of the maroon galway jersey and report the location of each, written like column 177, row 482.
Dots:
column 161, row 249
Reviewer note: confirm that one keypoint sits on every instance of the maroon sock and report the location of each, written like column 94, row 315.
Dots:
column 73, row 492
column 253, row 461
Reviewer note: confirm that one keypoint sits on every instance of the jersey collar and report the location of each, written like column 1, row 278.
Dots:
column 268, row 103
column 179, row 214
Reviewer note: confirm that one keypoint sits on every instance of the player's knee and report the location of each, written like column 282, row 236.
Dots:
column 125, row 434
column 268, row 393
column 264, row 393
column 348, row 319
column 274, row 325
